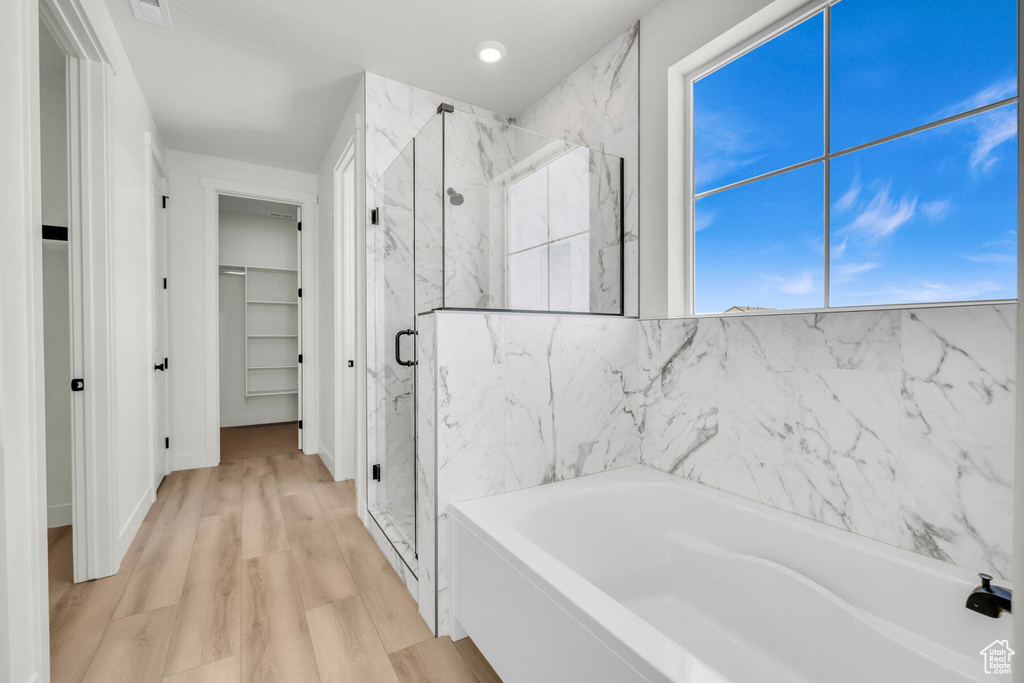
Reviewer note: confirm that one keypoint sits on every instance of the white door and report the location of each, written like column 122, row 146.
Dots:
column 161, row 362
column 298, row 267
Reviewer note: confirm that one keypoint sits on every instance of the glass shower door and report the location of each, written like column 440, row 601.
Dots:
column 392, row 486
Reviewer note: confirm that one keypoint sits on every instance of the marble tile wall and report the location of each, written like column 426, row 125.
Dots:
column 598, row 106
column 897, row 425
column 527, row 399
column 426, row 471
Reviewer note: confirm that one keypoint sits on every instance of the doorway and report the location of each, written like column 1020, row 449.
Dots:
column 57, row 313
column 260, row 327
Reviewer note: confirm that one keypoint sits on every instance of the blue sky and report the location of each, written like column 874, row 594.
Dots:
column 928, row 217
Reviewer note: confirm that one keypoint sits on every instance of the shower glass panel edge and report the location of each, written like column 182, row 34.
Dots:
column 392, row 485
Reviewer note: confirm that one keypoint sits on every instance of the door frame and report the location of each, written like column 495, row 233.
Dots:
column 213, row 188
column 345, row 209
column 156, row 168
column 94, row 482
column 24, row 609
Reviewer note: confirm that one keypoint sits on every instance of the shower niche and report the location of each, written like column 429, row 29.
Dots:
column 478, row 214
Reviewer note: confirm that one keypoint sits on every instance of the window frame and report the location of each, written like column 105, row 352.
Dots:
column 690, row 196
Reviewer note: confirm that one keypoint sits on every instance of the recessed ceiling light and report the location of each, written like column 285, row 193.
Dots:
column 490, row 51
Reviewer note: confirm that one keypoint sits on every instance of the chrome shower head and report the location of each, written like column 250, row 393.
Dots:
column 455, row 198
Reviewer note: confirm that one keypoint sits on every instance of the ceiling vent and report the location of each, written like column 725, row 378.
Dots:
column 155, row 11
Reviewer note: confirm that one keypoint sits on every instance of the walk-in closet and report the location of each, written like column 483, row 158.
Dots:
column 260, row 313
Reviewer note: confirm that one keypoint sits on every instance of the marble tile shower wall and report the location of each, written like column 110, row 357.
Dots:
column 598, row 106
column 895, row 425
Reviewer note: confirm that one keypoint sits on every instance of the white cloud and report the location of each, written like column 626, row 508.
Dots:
column 991, row 258
column 994, row 128
column 847, row 200
column 848, row 271
column 1000, row 90
column 703, row 220
column 801, row 284
column 839, row 249
column 926, row 291
column 936, row 210
column 883, row 216
column 724, row 145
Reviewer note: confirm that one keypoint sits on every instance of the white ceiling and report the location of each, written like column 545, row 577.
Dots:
column 268, row 81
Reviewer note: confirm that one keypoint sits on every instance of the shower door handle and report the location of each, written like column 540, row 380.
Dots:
column 398, row 348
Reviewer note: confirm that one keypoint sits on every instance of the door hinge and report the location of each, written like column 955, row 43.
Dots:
column 300, row 292
column 375, row 217
column 351, row 363
column 167, row 364
column 300, row 358
column 376, row 472
column 78, row 385
column 300, row 424
column 165, row 198
column 300, row 226
column 167, row 442
column 165, row 283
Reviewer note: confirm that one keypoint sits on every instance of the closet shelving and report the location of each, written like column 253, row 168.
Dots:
column 271, row 331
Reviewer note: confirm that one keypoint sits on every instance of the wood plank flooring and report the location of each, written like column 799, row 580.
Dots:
column 255, row 570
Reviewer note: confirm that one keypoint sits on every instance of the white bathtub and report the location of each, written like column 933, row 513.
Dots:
column 636, row 575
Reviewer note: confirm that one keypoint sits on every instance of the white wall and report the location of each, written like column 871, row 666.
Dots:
column 342, row 435
column 259, row 241
column 53, row 124
column 188, row 283
column 57, row 359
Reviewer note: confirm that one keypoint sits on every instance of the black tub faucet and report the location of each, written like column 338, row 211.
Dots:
column 988, row 599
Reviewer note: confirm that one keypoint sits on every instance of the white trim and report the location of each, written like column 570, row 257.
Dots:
column 345, row 314
column 212, row 189
column 134, row 521
column 94, row 482
column 680, row 136
column 327, row 458
column 679, row 153
column 1018, row 472
column 24, row 631
column 252, row 191
column 846, row 309
column 72, row 29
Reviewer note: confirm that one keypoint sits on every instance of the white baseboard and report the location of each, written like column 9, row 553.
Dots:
column 58, row 515
column 327, row 458
column 132, row 524
column 190, row 461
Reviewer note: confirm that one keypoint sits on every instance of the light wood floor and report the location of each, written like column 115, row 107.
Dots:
column 255, row 570
column 256, row 441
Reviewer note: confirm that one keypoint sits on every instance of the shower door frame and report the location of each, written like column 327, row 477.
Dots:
column 381, row 347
